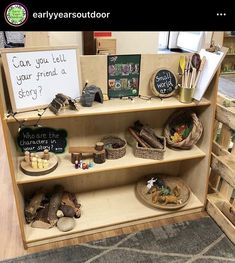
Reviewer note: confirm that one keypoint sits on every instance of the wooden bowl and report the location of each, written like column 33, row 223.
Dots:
column 145, row 197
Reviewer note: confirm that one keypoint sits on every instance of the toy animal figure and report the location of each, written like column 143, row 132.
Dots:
column 168, row 199
column 155, row 194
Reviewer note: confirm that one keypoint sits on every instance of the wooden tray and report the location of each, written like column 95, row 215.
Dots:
column 53, row 162
column 143, row 195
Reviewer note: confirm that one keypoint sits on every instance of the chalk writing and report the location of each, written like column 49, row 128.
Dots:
column 39, row 139
column 164, row 82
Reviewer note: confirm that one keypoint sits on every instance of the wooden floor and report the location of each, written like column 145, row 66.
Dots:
column 11, row 243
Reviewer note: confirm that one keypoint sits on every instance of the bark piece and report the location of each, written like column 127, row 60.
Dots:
column 34, row 204
column 69, row 199
column 137, row 138
column 147, row 134
column 67, row 210
column 41, row 220
column 55, row 204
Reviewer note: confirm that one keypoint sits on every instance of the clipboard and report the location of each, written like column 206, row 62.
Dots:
column 213, row 61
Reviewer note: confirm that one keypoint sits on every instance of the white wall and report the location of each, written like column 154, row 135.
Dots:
column 66, row 39
column 136, row 42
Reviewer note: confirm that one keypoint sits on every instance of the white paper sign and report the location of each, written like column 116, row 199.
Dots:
column 213, row 61
column 37, row 76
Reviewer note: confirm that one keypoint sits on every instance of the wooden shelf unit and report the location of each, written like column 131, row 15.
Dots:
column 112, row 184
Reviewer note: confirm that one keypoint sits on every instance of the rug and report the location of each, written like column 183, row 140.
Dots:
column 199, row 241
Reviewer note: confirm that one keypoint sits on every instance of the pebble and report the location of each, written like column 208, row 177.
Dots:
column 65, row 224
column 59, row 213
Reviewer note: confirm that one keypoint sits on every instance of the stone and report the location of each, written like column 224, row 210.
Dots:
column 65, row 224
column 59, row 213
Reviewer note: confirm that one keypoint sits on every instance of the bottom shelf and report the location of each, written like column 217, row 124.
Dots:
column 105, row 210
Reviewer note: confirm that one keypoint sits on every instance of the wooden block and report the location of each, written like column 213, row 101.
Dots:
column 82, row 149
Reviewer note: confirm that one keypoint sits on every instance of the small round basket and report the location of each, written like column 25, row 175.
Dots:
column 115, row 147
column 178, row 118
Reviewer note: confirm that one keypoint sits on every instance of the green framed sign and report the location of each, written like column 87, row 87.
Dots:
column 123, row 75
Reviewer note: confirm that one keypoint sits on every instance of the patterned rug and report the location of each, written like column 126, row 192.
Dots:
column 199, row 241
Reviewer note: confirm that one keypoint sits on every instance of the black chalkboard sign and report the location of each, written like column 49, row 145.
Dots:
column 163, row 83
column 38, row 139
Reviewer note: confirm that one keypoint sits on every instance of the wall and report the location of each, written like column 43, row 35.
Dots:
column 66, row 39
column 136, row 42
column 35, row 39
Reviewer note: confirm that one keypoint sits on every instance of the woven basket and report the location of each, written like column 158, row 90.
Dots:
column 194, row 135
column 114, row 153
column 146, row 153
column 150, row 153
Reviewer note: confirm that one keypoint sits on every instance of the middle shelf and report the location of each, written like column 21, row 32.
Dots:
column 66, row 168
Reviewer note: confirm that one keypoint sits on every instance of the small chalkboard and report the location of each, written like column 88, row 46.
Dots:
column 39, row 139
column 163, row 83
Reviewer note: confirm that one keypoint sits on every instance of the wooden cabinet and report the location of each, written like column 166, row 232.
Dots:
column 107, row 191
column 228, row 66
column 105, row 46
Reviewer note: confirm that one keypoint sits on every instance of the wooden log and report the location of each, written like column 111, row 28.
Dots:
column 137, row 138
column 41, row 220
column 150, row 138
column 33, row 206
column 99, row 146
column 229, row 211
column 99, row 157
column 54, row 204
column 67, row 210
column 70, row 200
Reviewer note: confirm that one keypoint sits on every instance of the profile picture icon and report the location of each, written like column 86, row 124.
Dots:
column 16, row 14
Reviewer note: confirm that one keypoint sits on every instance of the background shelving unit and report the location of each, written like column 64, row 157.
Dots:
column 107, row 191
column 228, row 65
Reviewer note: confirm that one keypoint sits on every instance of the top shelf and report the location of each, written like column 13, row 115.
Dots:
column 110, row 107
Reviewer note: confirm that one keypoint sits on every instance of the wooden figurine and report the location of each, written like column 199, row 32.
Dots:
column 31, row 156
column 27, row 157
column 34, row 163
column 76, row 157
column 76, row 164
column 46, row 155
column 45, row 163
column 40, row 166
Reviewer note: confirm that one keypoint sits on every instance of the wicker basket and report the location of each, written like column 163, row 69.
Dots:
column 146, row 153
column 182, row 117
column 114, row 153
column 150, row 153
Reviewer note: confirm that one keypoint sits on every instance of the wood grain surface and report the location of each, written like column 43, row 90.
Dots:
column 11, row 243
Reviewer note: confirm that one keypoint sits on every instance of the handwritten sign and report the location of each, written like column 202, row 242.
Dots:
column 163, row 83
column 39, row 139
column 35, row 77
